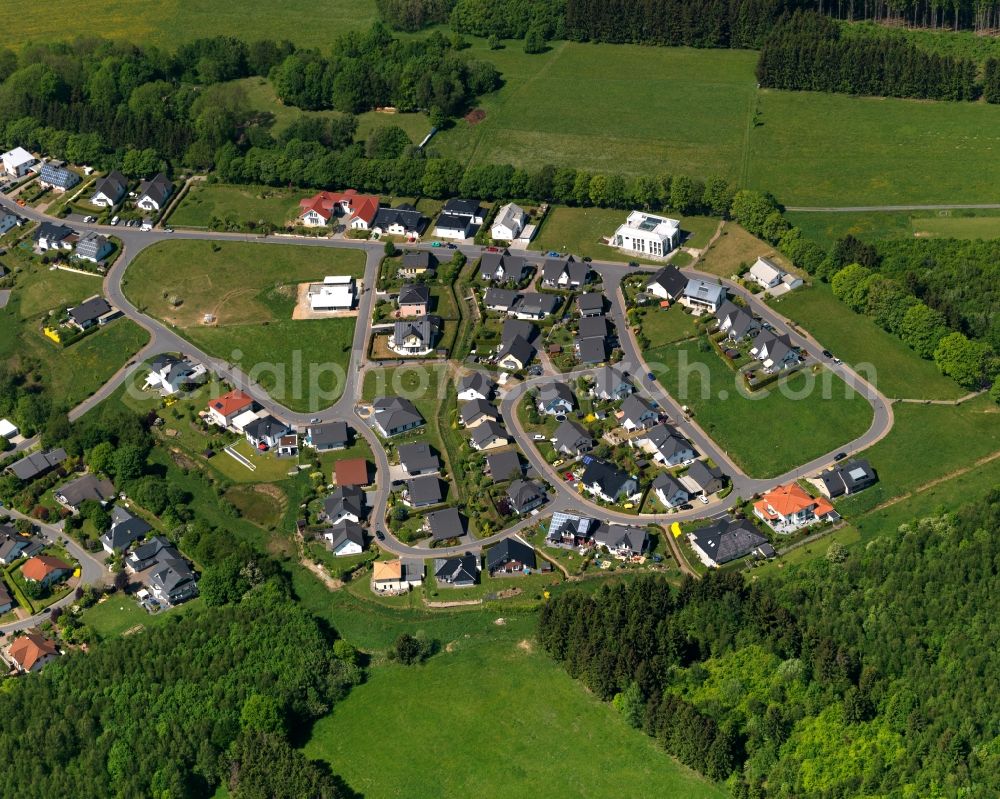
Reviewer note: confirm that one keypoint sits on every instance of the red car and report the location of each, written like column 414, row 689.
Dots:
column 569, row 476
column 492, row 249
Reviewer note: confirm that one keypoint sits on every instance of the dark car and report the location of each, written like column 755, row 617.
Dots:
column 587, row 259
column 633, row 263
column 827, row 354
column 840, row 456
column 380, row 535
column 650, row 376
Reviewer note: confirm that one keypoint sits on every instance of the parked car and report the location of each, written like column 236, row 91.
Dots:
column 435, row 244
column 114, row 222
column 650, row 376
column 553, row 254
column 840, row 456
column 703, row 499
column 380, row 535
column 827, row 354
column 538, row 437
column 492, row 249
column 451, row 246
column 587, row 259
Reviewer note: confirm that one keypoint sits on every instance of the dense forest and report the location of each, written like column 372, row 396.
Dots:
column 868, row 672
column 808, row 51
column 206, row 698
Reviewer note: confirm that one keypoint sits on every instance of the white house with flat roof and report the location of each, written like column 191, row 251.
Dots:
column 648, row 234
column 335, row 293
column 17, row 162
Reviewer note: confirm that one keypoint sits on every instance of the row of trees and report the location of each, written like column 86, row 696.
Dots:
column 373, row 69
column 866, row 672
column 811, row 52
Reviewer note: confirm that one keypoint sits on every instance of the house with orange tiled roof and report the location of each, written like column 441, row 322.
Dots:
column 223, row 410
column 30, row 652
column 45, row 569
column 788, row 508
column 357, row 210
column 351, row 472
column 397, row 575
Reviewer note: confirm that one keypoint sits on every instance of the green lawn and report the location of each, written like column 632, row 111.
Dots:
column 79, row 370
column 599, row 107
column 836, row 150
column 539, row 732
column 734, row 248
column 826, row 228
column 665, row 325
column 119, row 613
column 171, row 22
column 898, row 370
column 928, row 442
column 237, row 282
column 579, row 231
column 947, row 224
column 749, row 429
column 204, row 201
column 265, row 508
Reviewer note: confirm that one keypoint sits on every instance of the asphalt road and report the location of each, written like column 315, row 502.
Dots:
column 164, row 339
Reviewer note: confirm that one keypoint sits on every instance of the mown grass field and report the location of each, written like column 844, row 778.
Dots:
column 898, row 370
column 237, row 282
column 579, row 231
column 835, row 150
column 826, row 228
column 734, row 247
column 204, row 201
column 638, row 110
column 539, row 732
column 171, row 22
column 748, row 428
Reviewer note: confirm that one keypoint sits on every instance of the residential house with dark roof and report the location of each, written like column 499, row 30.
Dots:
column 667, row 446
column 565, row 273
column 727, row 540
column 774, row 351
column 415, row 336
column 403, row 220
column 591, row 350
column 555, row 398
column 392, row 416
column 573, row 440
column 423, row 491
column 153, row 194
column 532, row 305
column 610, row 384
column 37, row 464
column 264, row 432
column 525, row 496
column 6, row 600
column 636, row 413
column 125, row 530
column 512, row 328
column 344, row 538
column 669, row 490
column 327, row 437
column 445, row 524
column 500, row 300
column 570, row 530
column 14, row 545
column 418, row 264
column 500, row 267
column 475, row 386
column 414, row 299
column 474, row 413
column 417, row 459
column 515, row 354
column 845, row 478
column 460, row 571
column 170, row 375
column 622, row 541
column 510, row 556
column 606, row 481
column 344, row 503
column 504, row 465
column 488, row 435
column 110, row 190
column 171, row 579
column 76, row 492
column 590, row 304
column 94, row 311
column 459, row 219
column 668, row 283
column 700, row 478
column 50, row 236
column 703, row 295
column 736, row 322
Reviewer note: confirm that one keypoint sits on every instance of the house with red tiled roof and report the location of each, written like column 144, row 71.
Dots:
column 45, row 569
column 789, row 508
column 351, row 472
column 31, row 652
column 357, row 210
column 227, row 407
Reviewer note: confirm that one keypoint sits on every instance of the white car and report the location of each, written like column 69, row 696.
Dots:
column 114, row 222
column 703, row 499
column 688, row 462
column 538, row 437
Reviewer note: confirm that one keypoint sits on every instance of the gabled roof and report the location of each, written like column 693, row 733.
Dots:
column 351, row 472
column 462, row 569
column 618, row 537
column 477, row 408
column 90, row 311
column 848, row 477
column 83, row 488
column 728, row 539
column 52, row 232
column 607, row 381
column 670, row 279
column 37, row 463
column 703, row 291
column 487, row 432
column 634, row 408
column 513, row 265
column 555, row 392
column 536, row 304
column 265, row 427
column 668, row 484
column 507, row 551
column 499, row 298
column 608, row 477
column 420, row 259
column 170, row 572
column 590, row 302
column 125, row 529
column 703, row 474
column 329, row 434
column 570, row 437
column 568, row 523
column 414, row 294
column 522, row 493
column 418, row 457
column 504, row 465
column 518, row 327
column 27, row 650
column 520, row 349
column 445, row 524
column 41, row 566
column 387, row 570
column 406, row 216
column 393, row 413
column 344, row 499
column 459, row 207
column 666, row 440
column 113, row 185
column 157, row 189
column 425, row 490
column 231, row 402
column 591, row 326
column 478, row 382
column 425, row 328
column 344, row 531
column 592, row 350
